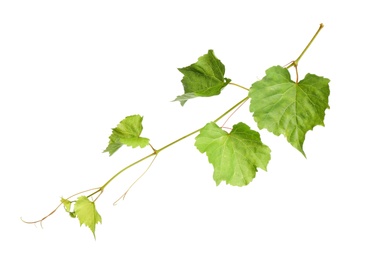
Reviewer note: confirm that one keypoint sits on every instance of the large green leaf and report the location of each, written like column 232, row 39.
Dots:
column 283, row 106
column 86, row 213
column 127, row 132
column 204, row 78
column 235, row 156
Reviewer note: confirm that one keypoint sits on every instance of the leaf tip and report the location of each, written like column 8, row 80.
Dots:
column 300, row 149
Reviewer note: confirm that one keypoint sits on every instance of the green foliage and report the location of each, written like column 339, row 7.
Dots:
column 236, row 155
column 127, row 132
column 204, row 78
column 278, row 104
column 86, row 213
column 285, row 107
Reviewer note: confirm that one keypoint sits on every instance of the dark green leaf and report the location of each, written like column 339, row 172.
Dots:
column 204, row 78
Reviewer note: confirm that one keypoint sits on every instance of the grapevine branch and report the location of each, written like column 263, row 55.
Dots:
column 236, row 107
column 231, row 111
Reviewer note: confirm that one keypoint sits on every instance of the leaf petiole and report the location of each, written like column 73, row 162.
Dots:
column 295, row 62
column 237, row 85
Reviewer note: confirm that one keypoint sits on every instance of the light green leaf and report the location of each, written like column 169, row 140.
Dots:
column 235, row 156
column 66, row 204
column 127, row 132
column 86, row 213
column 285, row 107
column 204, row 78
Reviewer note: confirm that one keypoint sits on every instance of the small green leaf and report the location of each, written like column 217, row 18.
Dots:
column 285, row 107
column 204, row 78
column 127, row 132
column 67, row 204
column 86, row 213
column 235, row 156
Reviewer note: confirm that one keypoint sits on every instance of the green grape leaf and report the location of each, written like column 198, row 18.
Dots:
column 86, row 213
column 204, row 78
column 127, row 132
column 283, row 106
column 235, row 156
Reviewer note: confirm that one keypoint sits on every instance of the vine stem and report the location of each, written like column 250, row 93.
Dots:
column 295, row 62
column 124, row 169
column 156, row 152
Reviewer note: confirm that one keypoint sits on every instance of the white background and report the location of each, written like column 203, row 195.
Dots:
column 71, row 70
